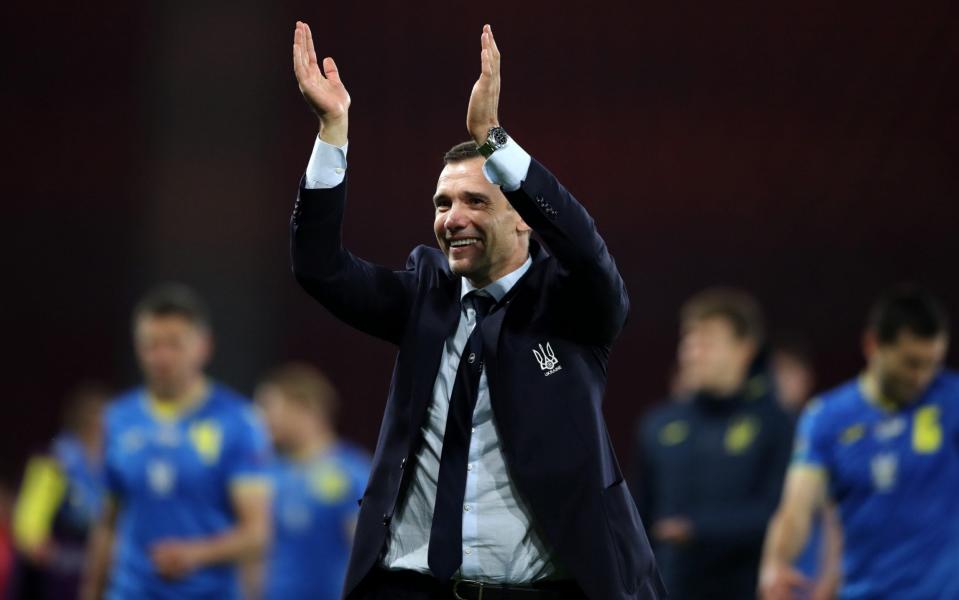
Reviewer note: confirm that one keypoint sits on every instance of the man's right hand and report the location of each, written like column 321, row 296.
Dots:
column 325, row 94
column 782, row 582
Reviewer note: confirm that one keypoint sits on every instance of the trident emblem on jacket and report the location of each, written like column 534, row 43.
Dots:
column 547, row 359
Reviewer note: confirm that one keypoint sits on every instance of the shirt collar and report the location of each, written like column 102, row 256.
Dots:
column 501, row 286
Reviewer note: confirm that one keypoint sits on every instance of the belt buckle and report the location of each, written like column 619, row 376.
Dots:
column 456, row 585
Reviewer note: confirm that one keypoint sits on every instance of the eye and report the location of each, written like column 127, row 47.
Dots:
column 477, row 201
column 441, row 205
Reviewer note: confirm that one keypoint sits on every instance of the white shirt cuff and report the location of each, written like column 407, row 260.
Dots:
column 327, row 166
column 508, row 166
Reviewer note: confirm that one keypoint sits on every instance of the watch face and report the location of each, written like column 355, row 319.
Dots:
column 498, row 136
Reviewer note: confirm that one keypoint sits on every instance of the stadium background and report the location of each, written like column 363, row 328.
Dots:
column 805, row 151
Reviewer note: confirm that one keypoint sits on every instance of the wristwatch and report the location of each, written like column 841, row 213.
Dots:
column 495, row 139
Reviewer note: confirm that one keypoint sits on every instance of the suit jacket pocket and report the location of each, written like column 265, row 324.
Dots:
column 626, row 533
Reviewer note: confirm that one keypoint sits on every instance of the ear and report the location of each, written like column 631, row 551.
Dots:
column 521, row 226
column 207, row 346
column 870, row 344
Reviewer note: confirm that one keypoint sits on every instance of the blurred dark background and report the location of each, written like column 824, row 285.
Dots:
column 804, row 151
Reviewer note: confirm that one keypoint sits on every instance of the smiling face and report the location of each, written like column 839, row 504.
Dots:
column 482, row 236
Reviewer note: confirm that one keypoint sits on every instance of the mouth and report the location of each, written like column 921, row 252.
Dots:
column 463, row 242
column 461, row 247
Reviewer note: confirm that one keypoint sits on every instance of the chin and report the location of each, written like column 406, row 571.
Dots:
column 461, row 267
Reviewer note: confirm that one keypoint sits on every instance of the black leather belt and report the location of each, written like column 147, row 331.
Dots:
column 464, row 589
column 474, row 590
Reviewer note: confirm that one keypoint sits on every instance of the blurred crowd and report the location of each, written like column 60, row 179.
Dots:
column 746, row 485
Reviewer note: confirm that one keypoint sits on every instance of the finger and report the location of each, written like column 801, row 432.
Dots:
column 296, row 45
column 484, row 40
column 306, row 42
column 329, row 68
column 298, row 59
column 310, row 48
column 494, row 51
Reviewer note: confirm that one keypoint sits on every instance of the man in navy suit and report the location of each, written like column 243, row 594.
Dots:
column 494, row 476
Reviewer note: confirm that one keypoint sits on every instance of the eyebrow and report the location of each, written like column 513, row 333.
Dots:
column 481, row 196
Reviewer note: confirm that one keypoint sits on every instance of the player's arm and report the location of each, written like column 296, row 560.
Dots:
column 99, row 552
column 253, row 578
column 596, row 294
column 368, row 297
column 804, row 494
column 245, row 541
column 830, row 576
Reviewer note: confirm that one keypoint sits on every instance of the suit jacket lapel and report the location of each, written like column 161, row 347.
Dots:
column 493, row 324
column 439, row 317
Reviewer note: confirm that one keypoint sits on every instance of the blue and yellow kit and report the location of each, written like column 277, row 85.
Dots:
column 171, row 476
column 894, row 474
column 314, row 512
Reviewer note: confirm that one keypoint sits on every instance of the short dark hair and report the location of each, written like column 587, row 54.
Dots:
column 911, row 308
column 737, row 307
column 173, row 299
column 460, row 152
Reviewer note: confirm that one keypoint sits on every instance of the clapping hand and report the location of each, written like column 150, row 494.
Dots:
column 323, row 91
column 482, row 113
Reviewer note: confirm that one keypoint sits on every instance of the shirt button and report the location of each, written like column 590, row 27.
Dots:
column 468, row 551
column 338, row 170
column 473, row 429
column 466, row 507
column 472, row 357
column 469, row 467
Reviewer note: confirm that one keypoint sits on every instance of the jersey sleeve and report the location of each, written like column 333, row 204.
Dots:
column 248, row 458
column 111, row 470
column 811, row 447
column 43, row 490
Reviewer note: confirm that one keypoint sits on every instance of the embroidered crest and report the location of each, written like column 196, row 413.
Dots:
column 161, row 476
column 547, row 360
column 884, row 469
column 207, row 438
column 741, row 434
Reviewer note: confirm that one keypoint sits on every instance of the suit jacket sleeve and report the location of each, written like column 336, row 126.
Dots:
column 592, row 290
column 366, row 296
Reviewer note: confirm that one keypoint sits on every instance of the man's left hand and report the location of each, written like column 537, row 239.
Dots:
column 482, row 113
column 175, row 559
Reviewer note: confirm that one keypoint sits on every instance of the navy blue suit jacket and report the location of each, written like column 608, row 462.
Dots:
column 550, row 420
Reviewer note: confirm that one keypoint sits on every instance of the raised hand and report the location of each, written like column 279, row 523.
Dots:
column 323, row 91
column 482, row 113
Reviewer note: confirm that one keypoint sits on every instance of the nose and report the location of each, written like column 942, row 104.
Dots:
column 456, row 219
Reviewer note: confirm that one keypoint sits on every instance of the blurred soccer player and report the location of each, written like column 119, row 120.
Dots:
column 793, row 373
column 885, row 449
column 185, row 464
column 60, row 498
column 795, row 378
column 317, row 480
column 709, row 469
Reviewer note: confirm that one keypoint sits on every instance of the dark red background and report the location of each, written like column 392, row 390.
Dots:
column 806, row 151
